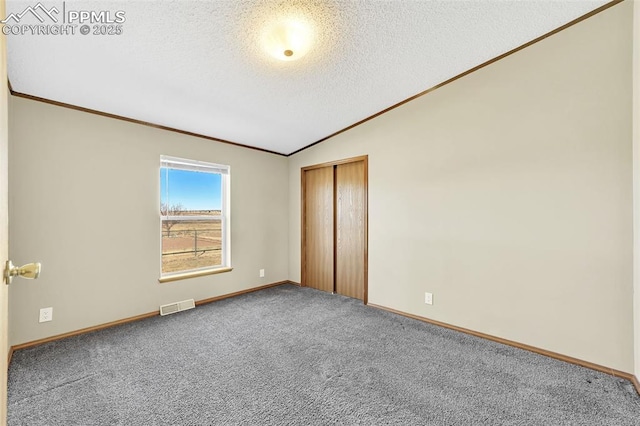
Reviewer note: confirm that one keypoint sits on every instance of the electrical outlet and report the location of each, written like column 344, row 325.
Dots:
column 46, row 314
column 261, row 273
column 428, row 298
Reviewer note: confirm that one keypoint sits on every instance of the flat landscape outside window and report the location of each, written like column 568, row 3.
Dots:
column 194, row 212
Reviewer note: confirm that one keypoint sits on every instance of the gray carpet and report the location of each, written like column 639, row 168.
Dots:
column 290, row 355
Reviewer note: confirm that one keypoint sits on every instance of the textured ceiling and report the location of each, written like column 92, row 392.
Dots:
column 198, row 66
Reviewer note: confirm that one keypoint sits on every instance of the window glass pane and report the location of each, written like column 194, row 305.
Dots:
column 188, row 193
column 193, row 209
column 191, row 244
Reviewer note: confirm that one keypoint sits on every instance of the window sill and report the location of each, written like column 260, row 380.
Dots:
column 186, row 275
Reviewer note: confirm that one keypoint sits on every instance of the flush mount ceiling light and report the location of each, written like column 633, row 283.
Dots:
column 298, row 35
column 288, row 39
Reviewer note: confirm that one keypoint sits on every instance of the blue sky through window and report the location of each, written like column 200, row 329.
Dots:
column 194, row 190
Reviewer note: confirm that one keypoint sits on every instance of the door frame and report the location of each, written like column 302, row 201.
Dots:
column 303, row 246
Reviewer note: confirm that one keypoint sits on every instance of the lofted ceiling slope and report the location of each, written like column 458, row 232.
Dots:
column 199, row 66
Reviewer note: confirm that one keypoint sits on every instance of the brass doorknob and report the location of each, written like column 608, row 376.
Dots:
column 30, row 271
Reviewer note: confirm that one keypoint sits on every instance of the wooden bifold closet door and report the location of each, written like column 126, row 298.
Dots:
column 319, row 229
column 334, row 217
column 349, row 229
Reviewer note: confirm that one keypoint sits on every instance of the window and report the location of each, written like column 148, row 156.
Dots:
column 194, row 211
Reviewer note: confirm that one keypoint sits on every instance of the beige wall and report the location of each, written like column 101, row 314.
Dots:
column 84, row 197
column 636, row 179
column 508, row 194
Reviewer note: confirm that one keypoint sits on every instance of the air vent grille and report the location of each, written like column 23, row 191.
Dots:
column 172, row 308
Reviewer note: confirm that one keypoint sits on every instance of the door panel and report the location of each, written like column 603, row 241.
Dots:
column 350, row 229
column 4, row 221
column 318, row 228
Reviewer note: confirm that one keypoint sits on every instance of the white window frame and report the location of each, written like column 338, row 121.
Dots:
column 224, row 217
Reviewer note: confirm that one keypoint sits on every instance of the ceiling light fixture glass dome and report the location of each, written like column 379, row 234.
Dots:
column 288, row 40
